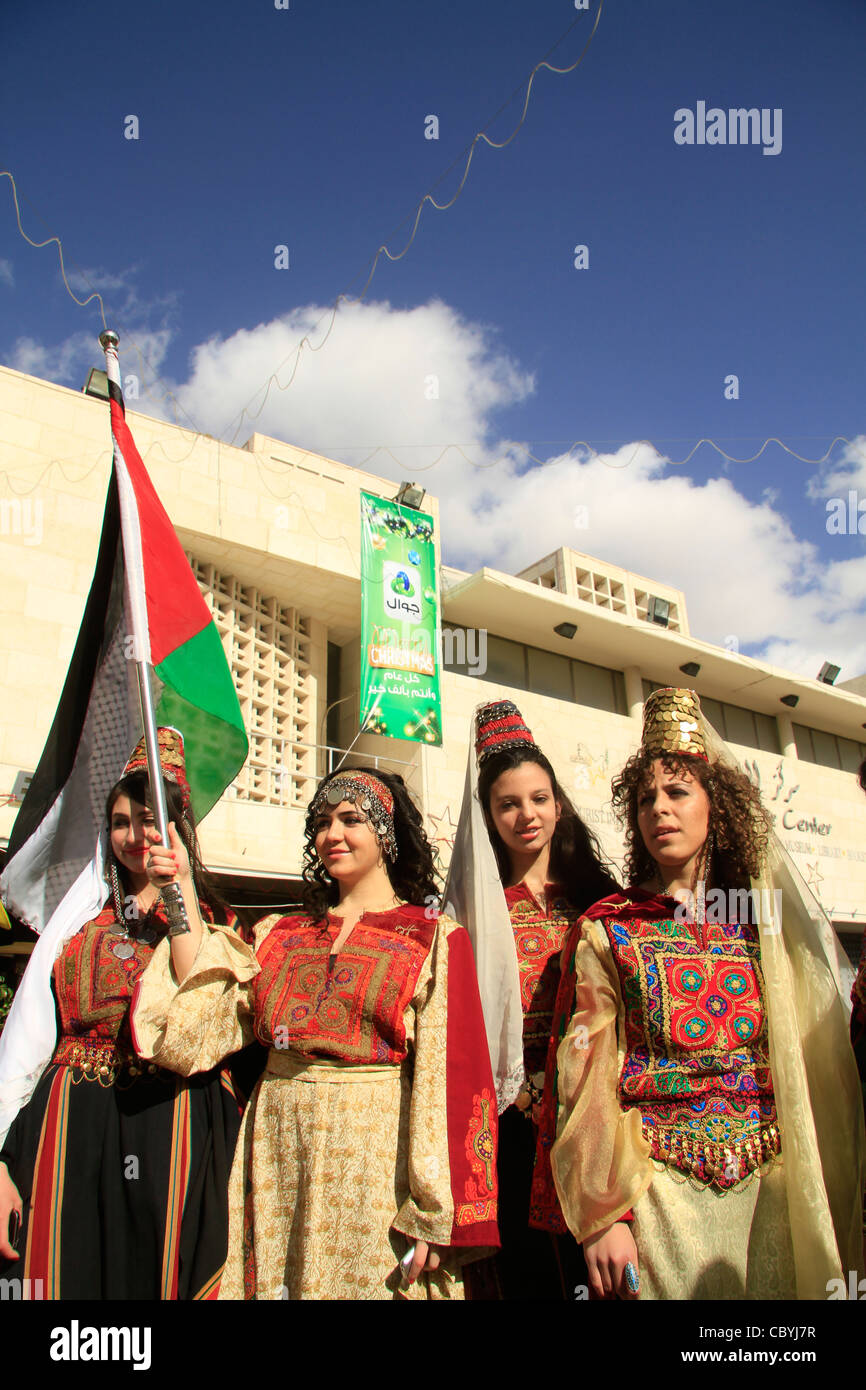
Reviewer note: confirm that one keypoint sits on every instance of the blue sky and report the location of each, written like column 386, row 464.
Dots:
column 305, row 127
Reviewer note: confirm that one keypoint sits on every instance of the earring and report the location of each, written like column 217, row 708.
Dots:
column 709, row 846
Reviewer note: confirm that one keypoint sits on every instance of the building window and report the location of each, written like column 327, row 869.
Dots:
column 506, row 662
column 599, row 687
column 268, row 649
column 550, row 674
column 828, row 750
column 532, row 668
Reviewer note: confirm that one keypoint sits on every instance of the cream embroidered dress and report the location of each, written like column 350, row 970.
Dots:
column 709, row 1105
column 374, row 1124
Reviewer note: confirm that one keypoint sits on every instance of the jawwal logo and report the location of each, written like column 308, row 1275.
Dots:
column 399, row 592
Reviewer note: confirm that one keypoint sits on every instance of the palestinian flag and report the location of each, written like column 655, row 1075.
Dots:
column 144, row 603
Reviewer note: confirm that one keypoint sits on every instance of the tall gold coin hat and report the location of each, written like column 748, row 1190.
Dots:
column 673, row 723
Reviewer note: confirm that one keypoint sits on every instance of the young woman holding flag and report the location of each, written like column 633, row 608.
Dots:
column 113, row 1173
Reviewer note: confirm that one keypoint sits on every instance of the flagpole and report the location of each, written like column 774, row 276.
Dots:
column 178, row 922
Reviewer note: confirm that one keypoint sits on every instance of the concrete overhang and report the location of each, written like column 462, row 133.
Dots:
column 524, row 612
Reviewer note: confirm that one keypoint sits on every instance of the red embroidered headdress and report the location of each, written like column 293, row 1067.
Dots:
column 498, row 726
column 171, row 760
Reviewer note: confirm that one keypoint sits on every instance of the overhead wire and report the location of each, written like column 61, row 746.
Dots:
column 154, row 379
column 343, row 297
column 469, row 151
column 279, row 471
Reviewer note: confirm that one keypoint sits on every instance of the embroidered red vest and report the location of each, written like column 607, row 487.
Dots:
column 697, row 1061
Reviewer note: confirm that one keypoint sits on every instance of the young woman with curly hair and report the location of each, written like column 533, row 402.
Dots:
column 365, row 1168
column 550, row 869
column 706, row 1120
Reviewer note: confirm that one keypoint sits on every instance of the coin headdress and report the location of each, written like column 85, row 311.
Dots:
column 673, row 724
column 369, row 794
column 171, row 760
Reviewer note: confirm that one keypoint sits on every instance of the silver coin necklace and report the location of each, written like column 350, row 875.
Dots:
column 123, row 948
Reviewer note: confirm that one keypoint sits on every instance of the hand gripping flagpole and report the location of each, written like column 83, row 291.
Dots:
column 172, row 898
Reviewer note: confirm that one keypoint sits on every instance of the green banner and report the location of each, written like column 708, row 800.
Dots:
column 399, row 623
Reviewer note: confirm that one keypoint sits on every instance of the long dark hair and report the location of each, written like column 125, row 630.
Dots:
column 739, row 823
column 136, row 785
column 577, row 862
column 412, row 874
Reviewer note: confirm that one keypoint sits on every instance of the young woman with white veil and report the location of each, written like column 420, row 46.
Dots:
column 523, row 869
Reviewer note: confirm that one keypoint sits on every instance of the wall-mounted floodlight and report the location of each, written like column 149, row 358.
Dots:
column 410, row 495
column 658, row 610
column 97, row 384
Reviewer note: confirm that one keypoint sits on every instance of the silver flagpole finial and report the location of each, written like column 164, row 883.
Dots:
column 108, row 339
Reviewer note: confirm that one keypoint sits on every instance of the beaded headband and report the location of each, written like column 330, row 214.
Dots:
column 370, row 796
column 170, row 742
column 672, row 723
column 499, row 726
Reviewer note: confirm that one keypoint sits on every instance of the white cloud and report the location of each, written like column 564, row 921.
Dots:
column 848, row 471
column 7, row 275
column 145, row 327
column 68, row 362
column 743, row 569
column 418, row 379
column 401, row 376
column 65, row 362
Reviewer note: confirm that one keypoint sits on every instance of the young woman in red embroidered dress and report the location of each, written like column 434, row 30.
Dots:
column 118, row 1170
column 701, row 1062
column 366, row 1167
column 551, row 868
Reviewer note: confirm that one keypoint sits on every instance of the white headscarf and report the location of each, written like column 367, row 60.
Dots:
column 474, row 896
column 29, row 1038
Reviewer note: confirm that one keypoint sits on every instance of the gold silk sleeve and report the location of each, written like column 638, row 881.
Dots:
column 427, row 1212
column 193, row 1026
column 600, row 1159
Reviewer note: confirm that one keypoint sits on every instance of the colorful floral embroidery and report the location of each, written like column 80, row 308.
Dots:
column 351, row 1006
column 480, row 1189
column 539, row 936
column 697, row 1062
